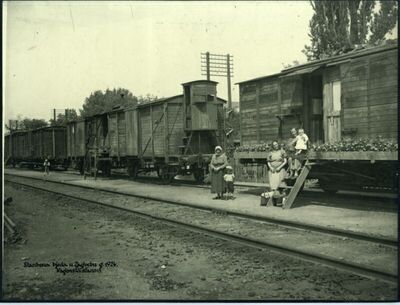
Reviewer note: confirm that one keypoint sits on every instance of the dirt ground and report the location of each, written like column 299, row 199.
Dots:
column 129, row 258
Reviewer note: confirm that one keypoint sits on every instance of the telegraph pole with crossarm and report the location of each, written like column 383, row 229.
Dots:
column 218, row 65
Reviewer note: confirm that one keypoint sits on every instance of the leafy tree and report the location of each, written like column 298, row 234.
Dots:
column 338, row 26
column 100, row 101
column 384, row 21
column 293, row 64
column 148, row 98
column 63, row 118
column 27, row 123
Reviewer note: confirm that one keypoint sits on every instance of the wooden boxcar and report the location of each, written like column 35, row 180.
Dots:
column 32, row 147
column 170, row 135
column 17, row 146
column 348, row 96
column 85, row 135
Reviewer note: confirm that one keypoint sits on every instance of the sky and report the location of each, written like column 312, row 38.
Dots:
column 55, row 54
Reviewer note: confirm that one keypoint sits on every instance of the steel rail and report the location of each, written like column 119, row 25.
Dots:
column 280, row 222
column 358, row 269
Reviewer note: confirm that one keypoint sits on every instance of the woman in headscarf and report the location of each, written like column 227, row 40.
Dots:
column 217, row 168
column 276, row 161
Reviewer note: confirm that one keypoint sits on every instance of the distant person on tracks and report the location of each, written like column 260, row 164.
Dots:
column 276, row 161
column 229, row 179
column 46, row 165
column 218, row 163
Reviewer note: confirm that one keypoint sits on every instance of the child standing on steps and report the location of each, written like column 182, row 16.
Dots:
column 301, row 149
column 229, row 179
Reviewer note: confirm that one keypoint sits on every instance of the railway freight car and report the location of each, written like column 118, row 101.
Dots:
column 171, row 136
column 87, row 138
column 31, row 147
column 338, row 101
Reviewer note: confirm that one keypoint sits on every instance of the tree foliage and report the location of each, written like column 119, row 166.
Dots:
column 338, row 26
column 100, row 101
column 27, row 123
column 63, row 118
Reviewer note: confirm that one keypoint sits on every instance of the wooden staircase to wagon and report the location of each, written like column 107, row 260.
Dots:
column 295, row 189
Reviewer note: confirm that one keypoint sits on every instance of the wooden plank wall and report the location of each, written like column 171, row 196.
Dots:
column 175, row 127
column 80, row 144
column 268, row 109
column 71, row 140
column 47, row 142
column 113, row 134
column 36, row 140
column 369, row 95
column 145, row 130
column 158, row 126
column 69, row 148
column 6, row 147
column 121, row 133
column 61, row 148
column 22, row 146
column 251, row 172
column 248, row 113
column 131, row 133
column 153, row 115
column 259, row 106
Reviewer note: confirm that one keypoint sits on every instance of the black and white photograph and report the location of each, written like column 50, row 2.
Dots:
column 171, row 151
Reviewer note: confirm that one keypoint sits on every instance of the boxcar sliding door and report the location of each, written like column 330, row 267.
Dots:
column 332, row 110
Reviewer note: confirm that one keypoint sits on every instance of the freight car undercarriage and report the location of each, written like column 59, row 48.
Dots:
column 55, row 164
column 165, row 169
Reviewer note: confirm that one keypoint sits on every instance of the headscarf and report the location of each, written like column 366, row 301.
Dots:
column 218, row 147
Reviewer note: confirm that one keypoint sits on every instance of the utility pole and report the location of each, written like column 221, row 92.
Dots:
column 228, row 65
column 208, row 65
column 218, row 65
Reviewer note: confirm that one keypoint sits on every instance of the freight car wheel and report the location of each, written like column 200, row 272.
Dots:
column 167, row 173
column 133, row 170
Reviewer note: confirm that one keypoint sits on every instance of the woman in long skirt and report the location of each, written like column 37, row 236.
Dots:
column 217, row 168
column 276, row 161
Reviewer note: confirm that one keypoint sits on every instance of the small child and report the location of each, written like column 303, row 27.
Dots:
column 229, row 178
column 46, row 165
column 301, row 146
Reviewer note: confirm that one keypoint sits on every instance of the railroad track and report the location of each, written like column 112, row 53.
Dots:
column 157, row 210
column 307, row 191
column 286, row 223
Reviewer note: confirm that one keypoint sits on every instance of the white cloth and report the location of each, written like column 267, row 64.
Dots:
column 301, row 142
column 229, row 177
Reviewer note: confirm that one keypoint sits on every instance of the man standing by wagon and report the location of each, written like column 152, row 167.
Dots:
column 291, row 151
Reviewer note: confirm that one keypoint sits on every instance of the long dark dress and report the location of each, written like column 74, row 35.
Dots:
column 217, row 177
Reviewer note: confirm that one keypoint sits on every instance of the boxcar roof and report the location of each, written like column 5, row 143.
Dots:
column 37, row 129
column 329, row 61
column 162, row 100
column 48, row 127
column 200, row 81
column 159, row 101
